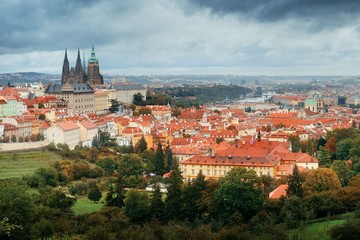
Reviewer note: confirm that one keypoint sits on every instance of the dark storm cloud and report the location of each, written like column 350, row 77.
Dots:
column 324, row 11
column 48, row 25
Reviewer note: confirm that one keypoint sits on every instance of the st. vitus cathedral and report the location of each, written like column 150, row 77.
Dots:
column 82, row 74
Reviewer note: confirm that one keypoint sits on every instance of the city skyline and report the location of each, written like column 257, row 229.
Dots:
column 184, row 37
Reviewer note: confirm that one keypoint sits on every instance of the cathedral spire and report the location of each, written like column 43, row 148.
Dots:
column 66, row 68
column 78, row 67
column 84, row 66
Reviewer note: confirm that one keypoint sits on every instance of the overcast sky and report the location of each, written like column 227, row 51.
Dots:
column 245, row 37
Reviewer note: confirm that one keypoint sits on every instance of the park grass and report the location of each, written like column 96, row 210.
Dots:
column 314, row 231
column 19, row 164
column 84, row 205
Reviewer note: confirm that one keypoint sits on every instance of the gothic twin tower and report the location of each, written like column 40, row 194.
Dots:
column 81, row 73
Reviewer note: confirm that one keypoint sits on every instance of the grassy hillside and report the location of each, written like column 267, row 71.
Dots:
column 18, row 164
column 319, row 229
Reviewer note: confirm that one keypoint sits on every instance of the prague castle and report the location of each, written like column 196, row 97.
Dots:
column 78, row 84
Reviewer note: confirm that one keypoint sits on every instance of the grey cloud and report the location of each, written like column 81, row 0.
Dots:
column 328, row 12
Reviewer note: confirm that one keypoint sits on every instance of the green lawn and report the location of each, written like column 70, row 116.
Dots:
column 315, row 231
column 18, row 164
column 84, row 205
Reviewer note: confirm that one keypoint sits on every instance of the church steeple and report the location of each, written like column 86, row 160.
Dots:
column 93, row 58
column 66, row 68
column 78, row 67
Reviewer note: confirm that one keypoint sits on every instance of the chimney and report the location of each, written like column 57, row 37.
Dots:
column 248, row 157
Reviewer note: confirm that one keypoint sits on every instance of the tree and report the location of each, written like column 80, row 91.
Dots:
column 239, row 192
column 295, row 143
column 95, row 142
column 343, row 171
column 294, row 212
column 115, row 105
column 310, row 147
column 159, row 163
column 16, row 209
column 169, row 158
column 148, row 157
column 42, row 117
column 141, row 145
column 173, row 203
column 132, row 168
column 108, row 165
column 320, row 143
column 157, row 206
column 139, row 99
column 115, row 197
column 295, row 183
column 49, row 176
column 343, row 148
column 324, row 157
column 191, row 196
column 137, row 206
column 59, row 199
column 321, row 179
column 144, row 111
column 81, row 169
column 94, row 194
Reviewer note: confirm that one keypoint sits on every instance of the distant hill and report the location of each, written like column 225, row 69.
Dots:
column 28, row 77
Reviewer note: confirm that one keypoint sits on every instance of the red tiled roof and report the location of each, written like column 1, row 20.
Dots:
column 88, row 125
column 67, row 125
column 278, row 192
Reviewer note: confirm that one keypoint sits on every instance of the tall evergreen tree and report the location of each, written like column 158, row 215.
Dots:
column 159, row 160
column 173, row 202
column 157, row 206
column 192, row 194
column 295, row 183
column 115, row 197
column 169, row 158
column 295, row 143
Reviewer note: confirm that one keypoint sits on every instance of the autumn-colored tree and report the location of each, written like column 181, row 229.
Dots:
column 321, row 179
column 355, row 181
column 81, row 169
column 330, row 145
